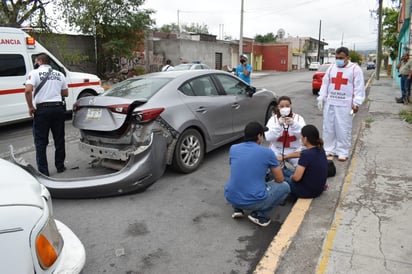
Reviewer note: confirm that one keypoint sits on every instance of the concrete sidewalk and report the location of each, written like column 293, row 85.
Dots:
column 370, row 231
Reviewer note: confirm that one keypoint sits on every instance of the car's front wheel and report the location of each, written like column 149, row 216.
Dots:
column 189, row 151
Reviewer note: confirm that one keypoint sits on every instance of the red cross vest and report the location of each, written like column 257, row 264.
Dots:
column 340, row 89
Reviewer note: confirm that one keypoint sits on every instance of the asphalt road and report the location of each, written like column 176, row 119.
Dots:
column 182, row 223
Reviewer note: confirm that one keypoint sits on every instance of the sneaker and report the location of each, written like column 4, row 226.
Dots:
column 238, row 213
column 399, row 100
column 259, row 220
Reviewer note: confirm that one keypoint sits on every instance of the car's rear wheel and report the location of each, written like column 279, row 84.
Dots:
column 189, row 151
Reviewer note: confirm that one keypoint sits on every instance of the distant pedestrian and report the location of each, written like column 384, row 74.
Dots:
column 168, row 66
column 309, row 178
column 341, row 94
column 244, row 70
column 47, row 108
column 247, row 188
column 284, row 131
column 405, row 72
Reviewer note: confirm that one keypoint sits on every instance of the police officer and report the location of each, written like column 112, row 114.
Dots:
column 47, row 108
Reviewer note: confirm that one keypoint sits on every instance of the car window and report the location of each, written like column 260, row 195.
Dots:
column 12, row 65
column 231, row 85
column 137, row 88
column 202, row 86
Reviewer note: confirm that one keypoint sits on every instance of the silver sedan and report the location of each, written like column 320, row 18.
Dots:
column 145, row 123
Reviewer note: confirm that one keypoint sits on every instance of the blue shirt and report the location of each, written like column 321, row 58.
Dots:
column 239, row 72
column 316, row 172
column 249, row 163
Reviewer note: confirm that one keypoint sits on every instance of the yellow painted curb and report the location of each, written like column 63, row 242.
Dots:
column 282, row 240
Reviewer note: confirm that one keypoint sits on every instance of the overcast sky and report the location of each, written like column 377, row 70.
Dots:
column 347, row 19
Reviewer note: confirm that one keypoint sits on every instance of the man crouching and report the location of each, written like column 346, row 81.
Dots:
column 247, row 188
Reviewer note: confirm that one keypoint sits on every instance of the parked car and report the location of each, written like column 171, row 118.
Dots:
column 190, row 66
column 370, row 65
column 31, row 240
column 317, row 78
column 160, row 119
column 314, row 65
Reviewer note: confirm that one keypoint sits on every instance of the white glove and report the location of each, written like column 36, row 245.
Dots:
column 320, row 105
column 282, row 120
column 289, row 121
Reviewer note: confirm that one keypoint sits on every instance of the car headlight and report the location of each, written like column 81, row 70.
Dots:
column 49, row 244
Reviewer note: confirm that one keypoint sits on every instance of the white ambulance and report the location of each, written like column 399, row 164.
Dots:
column 17, row 53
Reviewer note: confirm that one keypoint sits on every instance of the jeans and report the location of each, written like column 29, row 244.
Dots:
column 405, row 86
column 276, row 193
column 49, row 119
column 288, row 173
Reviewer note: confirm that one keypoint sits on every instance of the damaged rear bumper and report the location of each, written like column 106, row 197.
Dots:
column 141, row 170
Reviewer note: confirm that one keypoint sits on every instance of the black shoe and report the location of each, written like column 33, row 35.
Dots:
column 238, row 213
column 259, row 220
column 60, row 170
column 399, row 100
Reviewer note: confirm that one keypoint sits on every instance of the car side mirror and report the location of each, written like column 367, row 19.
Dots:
column 250, row 91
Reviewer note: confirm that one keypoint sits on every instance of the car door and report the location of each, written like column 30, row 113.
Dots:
column 244, row 108
column 214, row 112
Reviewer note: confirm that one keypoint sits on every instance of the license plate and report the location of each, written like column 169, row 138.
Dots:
column 94, row 113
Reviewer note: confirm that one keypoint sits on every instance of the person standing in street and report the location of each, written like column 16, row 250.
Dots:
column 340, row 96
column 168, row 66
column 405, row 72
column 247, row 188
column 243, row 70
column 48, row 111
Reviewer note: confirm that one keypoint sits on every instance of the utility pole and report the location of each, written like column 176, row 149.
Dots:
column 379, row 57
column 241, row 31
column 320, row 27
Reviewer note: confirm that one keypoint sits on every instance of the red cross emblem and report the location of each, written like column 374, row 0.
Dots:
column 288, row 138
column 339, row 80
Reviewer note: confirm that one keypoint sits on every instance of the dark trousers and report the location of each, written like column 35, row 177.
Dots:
column 405, row 87
column 49, row 119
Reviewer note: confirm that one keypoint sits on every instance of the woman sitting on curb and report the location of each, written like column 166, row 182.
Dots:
column 309, row 178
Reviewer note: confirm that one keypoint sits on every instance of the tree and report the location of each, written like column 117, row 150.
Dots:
column 267, row 38
column 170, row 28
column 355, row 57
column 118, row 30
column 390, row 31
column 195, row 28
column 17, row 13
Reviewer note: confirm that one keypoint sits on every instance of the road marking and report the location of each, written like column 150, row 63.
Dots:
column 282, row 240
column 328, row 244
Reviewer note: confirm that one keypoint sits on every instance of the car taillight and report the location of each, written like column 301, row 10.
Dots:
column 148, row 114
column 119, row 108
column 49, row 244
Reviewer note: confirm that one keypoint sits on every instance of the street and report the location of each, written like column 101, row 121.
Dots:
column 182, row 223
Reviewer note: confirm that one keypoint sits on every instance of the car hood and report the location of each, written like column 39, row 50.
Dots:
column 105, row 120
column 18, row 187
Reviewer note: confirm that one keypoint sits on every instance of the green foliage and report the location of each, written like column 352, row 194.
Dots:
column 407, row 115
column 27, row 13
column 118, row 25
column 390, row 31
column 267, row 38
column 195, row 28
column 355, row 57
column 170, row 28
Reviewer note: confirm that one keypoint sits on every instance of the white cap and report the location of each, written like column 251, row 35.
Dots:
column 244, row 56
